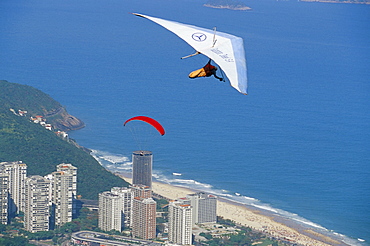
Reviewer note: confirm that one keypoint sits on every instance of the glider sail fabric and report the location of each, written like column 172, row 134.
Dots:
column 148, row 120
column 226, row 50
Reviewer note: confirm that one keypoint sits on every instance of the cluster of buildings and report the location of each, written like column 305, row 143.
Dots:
column 47, row 202
column 133, row 207
column 39, row 119
column 20, row 112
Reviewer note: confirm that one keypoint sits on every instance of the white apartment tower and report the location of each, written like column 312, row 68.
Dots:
column 69, row 168
column 180, row 222
column 110, row 211
column 144, row 218
column 3, row 198
column 204, row 207
column 36, row 214
column 16, row 172
column 127, row 196
column 62, row 187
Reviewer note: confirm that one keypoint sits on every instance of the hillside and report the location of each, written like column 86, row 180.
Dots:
column 41, row 149
column 35, row 102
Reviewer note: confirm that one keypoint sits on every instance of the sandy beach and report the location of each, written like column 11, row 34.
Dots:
column 253, row 218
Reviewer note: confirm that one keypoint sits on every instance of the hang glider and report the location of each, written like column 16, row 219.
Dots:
column 226, row 50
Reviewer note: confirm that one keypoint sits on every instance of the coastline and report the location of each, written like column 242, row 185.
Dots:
column 260, row 220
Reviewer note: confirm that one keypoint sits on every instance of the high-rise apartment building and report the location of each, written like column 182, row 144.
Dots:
column 111, row 207
column 204, row 207
column 69, row 168
column 127, row 196
column 62, row 195
column 36, row 213
column 3, row 198
column 16, row 172
column 142, row 191
column 144, row 218
column 143, row 212
column 180, row 222
column 142, row 162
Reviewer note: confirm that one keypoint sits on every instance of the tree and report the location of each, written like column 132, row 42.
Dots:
column 14, row 241
column 2, row 228
column 206, row 235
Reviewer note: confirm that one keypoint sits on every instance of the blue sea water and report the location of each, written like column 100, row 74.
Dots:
column 298, row 144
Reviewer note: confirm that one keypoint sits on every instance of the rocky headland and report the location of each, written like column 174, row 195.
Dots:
column 62, row 120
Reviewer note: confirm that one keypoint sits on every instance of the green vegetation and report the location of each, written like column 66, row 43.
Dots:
column 162, row 205
column 227, row 233
column 25, row 97
column 14, row 233
column 242, row 236
column 41, row 149
column 14, row 241
column 225, row 222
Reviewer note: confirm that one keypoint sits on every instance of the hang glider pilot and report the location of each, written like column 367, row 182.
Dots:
column 207, row 71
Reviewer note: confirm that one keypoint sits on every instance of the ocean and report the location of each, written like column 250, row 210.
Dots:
column 298, row 145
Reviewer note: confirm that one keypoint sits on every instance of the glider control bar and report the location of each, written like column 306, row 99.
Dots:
column 196, row 53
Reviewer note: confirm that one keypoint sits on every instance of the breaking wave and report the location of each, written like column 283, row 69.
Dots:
column 112, row 162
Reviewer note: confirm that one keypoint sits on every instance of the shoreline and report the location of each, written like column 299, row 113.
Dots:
column 257, row 219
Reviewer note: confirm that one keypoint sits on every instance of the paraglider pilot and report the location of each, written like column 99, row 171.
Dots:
column 207, row 71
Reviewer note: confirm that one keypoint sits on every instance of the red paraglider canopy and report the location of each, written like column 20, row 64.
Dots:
column 150, row 121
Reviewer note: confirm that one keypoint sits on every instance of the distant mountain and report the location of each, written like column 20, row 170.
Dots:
column 227, row 4
column 23, row 140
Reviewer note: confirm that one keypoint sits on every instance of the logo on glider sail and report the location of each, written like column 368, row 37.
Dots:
column 199, row 37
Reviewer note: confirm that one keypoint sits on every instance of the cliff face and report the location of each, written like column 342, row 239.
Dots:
column 63, row 121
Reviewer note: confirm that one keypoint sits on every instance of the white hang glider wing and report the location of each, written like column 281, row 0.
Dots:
column 226, row 50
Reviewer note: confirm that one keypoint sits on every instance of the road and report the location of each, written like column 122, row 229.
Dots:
column 105, row 239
